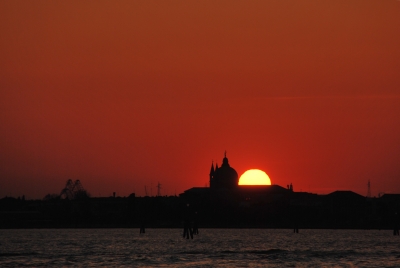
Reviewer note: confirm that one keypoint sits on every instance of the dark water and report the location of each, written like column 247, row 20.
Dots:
column 211, row 248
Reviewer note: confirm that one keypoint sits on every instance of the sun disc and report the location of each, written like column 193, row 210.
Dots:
column 254, row 177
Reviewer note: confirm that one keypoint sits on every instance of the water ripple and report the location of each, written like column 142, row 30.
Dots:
column 214, row 247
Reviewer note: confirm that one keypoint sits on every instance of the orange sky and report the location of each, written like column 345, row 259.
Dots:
column 123, row 94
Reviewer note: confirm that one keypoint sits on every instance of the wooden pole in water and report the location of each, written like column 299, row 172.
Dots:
column 396, row 224
column 195, row 224
column 187, row 230
column 142, row 229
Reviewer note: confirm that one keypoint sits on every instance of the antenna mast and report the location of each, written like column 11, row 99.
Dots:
column 369, row 190
column 158, row 189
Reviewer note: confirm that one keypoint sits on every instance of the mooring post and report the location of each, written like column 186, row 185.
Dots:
column 191, row 232
column 195, row 224
column 396, row 224
column 296, row 225
column 142, row 229
column 187, row 230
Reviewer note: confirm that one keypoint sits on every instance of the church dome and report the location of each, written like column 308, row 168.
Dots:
column 224, row 177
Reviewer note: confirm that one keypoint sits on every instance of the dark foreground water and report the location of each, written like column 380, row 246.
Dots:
column 211, row 248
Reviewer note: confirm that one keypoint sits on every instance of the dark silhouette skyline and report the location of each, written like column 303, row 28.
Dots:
column 219, row 206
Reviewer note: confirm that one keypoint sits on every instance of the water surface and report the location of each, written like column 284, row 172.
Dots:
column 212, row 247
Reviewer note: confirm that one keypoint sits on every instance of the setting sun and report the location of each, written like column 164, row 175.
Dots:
column 254, row 177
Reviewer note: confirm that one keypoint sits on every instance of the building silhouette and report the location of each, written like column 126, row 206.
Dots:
column 224, row 204
column 224, row 186
column 224, row 177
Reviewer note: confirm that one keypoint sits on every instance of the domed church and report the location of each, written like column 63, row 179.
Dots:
column 224, row 185
column 223, row 177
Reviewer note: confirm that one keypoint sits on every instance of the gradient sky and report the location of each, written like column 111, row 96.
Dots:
column 126, row 94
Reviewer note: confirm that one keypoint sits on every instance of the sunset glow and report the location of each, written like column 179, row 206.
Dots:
column 123, row 95
column 254, row 177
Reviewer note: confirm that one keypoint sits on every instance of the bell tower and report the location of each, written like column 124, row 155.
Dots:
column 212, row 171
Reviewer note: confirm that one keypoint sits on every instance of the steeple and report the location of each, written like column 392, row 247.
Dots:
column 212, row 172
column 212, row 168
